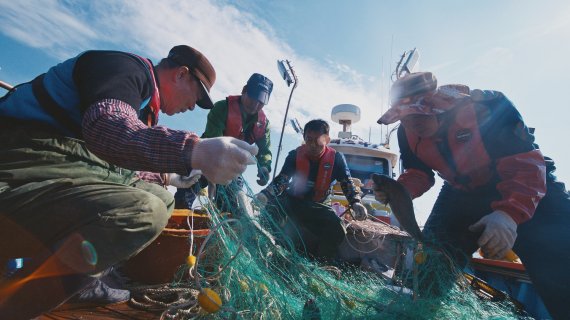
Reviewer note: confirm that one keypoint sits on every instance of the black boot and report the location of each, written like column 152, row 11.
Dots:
column 99, row 293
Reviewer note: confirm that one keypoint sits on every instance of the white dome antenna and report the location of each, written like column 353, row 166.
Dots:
column 345, row 114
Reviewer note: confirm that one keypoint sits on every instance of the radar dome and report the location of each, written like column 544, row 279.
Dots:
column 344, row 113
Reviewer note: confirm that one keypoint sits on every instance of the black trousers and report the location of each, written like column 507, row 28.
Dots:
column 311, row 222
column 543, row 242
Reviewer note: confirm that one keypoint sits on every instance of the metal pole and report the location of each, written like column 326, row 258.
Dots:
column 285, row 119
column 6, row 86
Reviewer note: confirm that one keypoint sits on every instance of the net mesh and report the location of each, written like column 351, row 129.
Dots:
column 260, row 272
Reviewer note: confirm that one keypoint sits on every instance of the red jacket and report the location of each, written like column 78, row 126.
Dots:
column 479, row 143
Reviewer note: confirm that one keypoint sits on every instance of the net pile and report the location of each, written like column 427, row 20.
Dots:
column 259, row 272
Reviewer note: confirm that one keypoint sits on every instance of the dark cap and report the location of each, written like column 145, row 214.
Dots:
column 199, row 66
column 259, row 87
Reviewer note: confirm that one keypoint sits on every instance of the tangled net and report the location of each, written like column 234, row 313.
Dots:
column 260, row 274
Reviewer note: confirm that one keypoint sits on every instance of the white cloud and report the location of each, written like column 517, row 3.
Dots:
column 557, row 25
column 46, row 25
column 237, row 44
column 493, row 61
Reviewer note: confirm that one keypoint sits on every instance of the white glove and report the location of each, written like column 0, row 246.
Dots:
column 222, row 159
column 499, row 234
column 260, row 200
column 263, row 175
column 178, row 181
column 360, row 212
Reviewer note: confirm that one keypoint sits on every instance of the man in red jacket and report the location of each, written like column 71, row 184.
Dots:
column 499, row 192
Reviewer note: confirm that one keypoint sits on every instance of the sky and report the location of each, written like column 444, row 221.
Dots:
column 342, row 52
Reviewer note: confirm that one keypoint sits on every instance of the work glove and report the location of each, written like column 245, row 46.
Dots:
column 222, row 159
column 260, row 200
column 263, row 175
column 499, row 234
column 360, row 212
column 178, row 181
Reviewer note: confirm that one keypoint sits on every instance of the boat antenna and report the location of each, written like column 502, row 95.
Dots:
column 411, row 58
column 388, row 135
column 407, row 64
column 288, row 74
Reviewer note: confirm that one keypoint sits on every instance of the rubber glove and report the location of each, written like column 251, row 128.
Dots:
column 222, row 159
column 260, row 200
column 263, row 175
column 360, row 212
column 499, row 234
column 178, row 181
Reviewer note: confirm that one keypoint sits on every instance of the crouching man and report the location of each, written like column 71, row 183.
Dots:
column 304, row 184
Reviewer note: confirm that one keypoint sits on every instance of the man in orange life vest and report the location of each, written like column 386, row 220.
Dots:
column 304, row 184
column 241, row 117
column 499, row 192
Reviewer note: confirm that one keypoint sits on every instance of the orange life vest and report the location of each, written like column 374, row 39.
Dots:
column 324, row 173
column 234, row 123
column 464, row 163
column 154, row 103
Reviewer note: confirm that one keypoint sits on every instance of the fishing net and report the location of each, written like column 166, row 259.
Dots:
column 259, row 272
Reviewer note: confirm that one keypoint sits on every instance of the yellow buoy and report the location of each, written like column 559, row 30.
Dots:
column 263, row 288
column 191, row 260
column 243, row 285
column 349, row 303
column 420, row 257
column 209, row 300
column 315, row 287
column 511, row 256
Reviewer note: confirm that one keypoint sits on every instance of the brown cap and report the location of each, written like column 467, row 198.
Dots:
column 417, row 93
column 199, row 66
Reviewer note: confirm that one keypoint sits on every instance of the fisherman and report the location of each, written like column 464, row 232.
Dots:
column 73, row 140
column 241, row 117
column 499, row 192
column 304, row 184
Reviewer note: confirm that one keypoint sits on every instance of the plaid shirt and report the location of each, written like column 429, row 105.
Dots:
column 113, row 132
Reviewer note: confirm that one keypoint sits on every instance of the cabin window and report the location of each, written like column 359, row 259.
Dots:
column 362, row 167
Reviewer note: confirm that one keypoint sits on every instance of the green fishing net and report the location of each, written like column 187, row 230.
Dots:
column 259, row 272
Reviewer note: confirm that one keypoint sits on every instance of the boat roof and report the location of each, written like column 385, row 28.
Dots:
column 363, row 148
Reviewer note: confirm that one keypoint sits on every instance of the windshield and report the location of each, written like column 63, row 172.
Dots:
column 362, row 167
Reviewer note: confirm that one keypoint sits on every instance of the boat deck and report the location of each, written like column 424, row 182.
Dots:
column 120, row 311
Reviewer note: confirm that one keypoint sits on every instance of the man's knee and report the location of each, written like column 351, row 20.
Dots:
column 124, row 232
column 156, row 215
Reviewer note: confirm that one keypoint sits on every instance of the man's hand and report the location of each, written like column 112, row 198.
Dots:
column 360, row 212
column 499, row 234
column 222, row 159
column 178, row 181
column 263, row 175
column 260, row 200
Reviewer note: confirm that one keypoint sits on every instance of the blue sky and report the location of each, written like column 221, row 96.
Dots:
column 342, row 51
